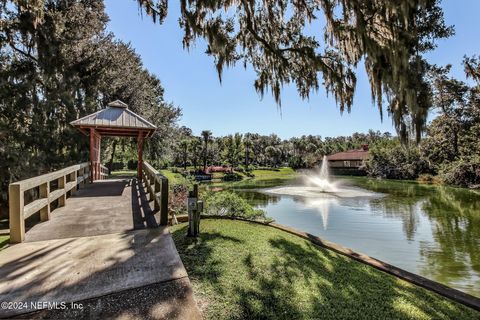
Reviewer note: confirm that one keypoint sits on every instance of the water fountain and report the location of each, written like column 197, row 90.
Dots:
column 321, row 180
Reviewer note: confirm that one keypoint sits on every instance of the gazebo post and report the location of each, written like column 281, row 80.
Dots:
column 140, row 155
column 92, row 156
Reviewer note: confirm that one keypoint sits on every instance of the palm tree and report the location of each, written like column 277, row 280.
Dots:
column 207, row 136
column 184, row 148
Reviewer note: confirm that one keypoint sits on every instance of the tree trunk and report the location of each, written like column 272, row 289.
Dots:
column 110, row 163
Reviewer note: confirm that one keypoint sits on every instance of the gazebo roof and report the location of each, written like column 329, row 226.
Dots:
column 115, row 120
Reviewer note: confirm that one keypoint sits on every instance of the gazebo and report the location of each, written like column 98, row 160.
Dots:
column 118, row 121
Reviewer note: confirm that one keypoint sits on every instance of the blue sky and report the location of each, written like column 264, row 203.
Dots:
column 191, row 81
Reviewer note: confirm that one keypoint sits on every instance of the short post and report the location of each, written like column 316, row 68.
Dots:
column 45, row 193
column 156, row 189
column 17, row 222
column 194, row 208
column 164, row 202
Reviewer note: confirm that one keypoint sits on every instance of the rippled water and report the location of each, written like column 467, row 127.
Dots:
column 429, row 230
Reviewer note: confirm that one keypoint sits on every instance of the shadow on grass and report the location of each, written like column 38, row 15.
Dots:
column 275, row 276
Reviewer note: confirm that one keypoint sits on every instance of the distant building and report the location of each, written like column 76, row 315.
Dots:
column 348, row 162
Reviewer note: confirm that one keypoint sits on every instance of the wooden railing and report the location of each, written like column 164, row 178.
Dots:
column 157, row 187
column 99, row 172
column 66, row 179
column 103, row 172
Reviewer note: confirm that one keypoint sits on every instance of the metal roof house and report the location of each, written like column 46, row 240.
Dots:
column 348, row 161
column 115, row 120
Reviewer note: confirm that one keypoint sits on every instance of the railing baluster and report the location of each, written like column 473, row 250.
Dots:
column 164, row 202
column 61, row 185
column 45, row 193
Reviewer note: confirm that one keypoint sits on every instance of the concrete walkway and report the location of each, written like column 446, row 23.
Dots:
column 97, row 251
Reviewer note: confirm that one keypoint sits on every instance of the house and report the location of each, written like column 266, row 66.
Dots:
column 348, row 162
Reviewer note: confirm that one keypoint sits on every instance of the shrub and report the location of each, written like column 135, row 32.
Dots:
column 392, row 161
column 177, row 201
column 132, row 164
column 233, row 176
column 461, row 173
column 231, row 205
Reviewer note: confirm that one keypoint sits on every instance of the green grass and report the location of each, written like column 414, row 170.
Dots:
column 123, row 173
column 241, row 270
column 173, row 178
column 281, row 173
column 4, row 240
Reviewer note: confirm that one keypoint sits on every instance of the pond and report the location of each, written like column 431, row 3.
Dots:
column 430, row 230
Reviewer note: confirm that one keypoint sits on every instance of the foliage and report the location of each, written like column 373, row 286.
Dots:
column 254, row 150
column 177, row 200
column 58, row 63
column 452, row 144
column 232, row 176
column 230, row 204
column 242, row 270
column 462, row 173
column 275, row 38
column 389, row 159
column 233, row 149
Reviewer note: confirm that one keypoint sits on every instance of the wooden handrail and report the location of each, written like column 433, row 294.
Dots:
column 157, row 187
column 18, row 211
column 103, row 172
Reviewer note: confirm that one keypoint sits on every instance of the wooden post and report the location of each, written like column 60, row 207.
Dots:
column 192, row 208
column 140, row 155
column 61, row 185
column 164, row 202
column 92, row 155
column 17, row 222
column 156, row 189
column 73, row 177
column 44, row 193
column 98, row 159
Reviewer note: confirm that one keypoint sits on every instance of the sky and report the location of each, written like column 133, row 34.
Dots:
column 191, row 80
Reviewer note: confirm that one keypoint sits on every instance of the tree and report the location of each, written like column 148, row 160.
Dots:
column 195, row 151
column 247, row 143
column 273, row 154
column 272, row 37
column 233, row 149
column 184, row 149
column 57, row 64
column 206, row 136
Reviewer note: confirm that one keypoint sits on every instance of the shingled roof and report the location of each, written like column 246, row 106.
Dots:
column 116, row 117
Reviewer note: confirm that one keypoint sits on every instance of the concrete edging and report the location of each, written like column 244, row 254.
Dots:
column 446, row 291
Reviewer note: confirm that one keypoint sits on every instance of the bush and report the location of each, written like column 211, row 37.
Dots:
column 462, row 173
column 132, row 164
column 391, row 160
column 177, row 201
column 233, row 176
column 231, row 205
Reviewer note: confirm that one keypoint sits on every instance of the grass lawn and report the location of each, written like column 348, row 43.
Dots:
column 123, row 173
column 281, row 173
column 241, row 270
column 173, row 178
column 4, row 241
